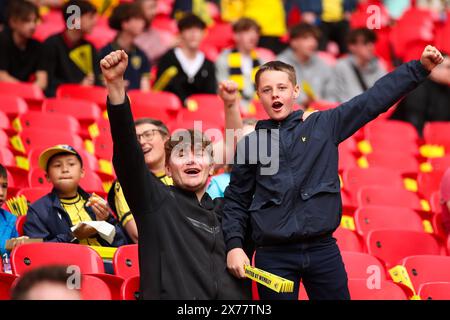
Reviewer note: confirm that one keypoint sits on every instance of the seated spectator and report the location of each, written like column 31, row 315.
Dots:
column 313, row 74
column 185, row 70
column 51, row 217
column 445, row 200
column 21, row 57
column 359, row 70
column 71, row 58
column 240, row 63
column 333, row 18
column 146, row 41
column 45, row 283
column 7, row 219
column 129, row 21
column 430, row 101
column 152, row 135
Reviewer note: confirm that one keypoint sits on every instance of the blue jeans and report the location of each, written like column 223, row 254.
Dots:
column 318, row 264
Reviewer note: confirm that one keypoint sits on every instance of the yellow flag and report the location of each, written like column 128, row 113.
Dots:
column 82, row 57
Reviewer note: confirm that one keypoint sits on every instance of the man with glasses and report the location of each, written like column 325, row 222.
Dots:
column 151, row 135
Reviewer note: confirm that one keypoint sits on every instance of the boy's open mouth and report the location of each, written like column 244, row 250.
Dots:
column 192, row 171
column 277, row 105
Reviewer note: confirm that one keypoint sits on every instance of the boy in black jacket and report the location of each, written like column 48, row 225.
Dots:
column 294, row 211
column 181, row 248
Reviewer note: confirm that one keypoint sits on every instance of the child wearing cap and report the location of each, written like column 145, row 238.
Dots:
column 52, row 216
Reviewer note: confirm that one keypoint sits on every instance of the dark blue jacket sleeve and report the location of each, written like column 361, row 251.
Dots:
column 238, row 198
column 35, row 228
column 350, row 116
column 120, row 239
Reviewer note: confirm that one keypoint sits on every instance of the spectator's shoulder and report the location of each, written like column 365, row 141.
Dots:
column 54, row 39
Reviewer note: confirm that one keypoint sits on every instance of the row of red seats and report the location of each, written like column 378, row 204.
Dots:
column 424, row 272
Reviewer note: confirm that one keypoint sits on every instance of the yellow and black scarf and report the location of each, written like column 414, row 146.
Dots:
column 235, row 71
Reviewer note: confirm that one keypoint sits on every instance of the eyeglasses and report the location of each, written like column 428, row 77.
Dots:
column 147, row 135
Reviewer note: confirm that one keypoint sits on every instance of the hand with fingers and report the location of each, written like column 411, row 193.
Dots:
column 431, row 57
column 113, row 69
column 100, row 207
column 236, row 260
column 228, row 92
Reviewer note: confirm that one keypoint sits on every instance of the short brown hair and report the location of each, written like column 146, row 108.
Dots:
column 189, row 21
column 21, row 10
column 157, row 123
column 245, row 24
column 124, row 12
column 364, row 34
column 303, row 30
column 53, row 273
column 276, row 66
column 190, row 137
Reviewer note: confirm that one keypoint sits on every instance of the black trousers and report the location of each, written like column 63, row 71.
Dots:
column 317, row 264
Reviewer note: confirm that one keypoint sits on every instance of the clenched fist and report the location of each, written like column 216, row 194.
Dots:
column 113, row 68
column 228, row 92
column 114, row 65
column 431, row 57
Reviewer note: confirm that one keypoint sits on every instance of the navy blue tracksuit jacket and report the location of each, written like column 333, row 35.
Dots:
column 302, row 200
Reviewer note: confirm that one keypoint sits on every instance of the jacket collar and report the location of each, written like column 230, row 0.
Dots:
column 290, row 120
column 56, row 203
column 206, row 201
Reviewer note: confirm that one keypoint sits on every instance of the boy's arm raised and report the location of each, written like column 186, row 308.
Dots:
column 352, row 115
column 142, row 190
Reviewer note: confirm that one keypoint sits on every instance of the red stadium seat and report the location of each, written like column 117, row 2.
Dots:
column 386, row 196
column 355, row 179
column 209, row 111
column 4, row 122
column 130, row 289
column 83, row 110
column 435, row 202
column 104, row 147
column 361, row 265
column 13, row 105
column 101, row 36
column 33, row 194
column 346, row 161
column 437, row 133
column 32, row 138
column 91, row 182
column 93, row 288
column 347, row 240
column 57, row 122
column 427, row 268
column 360, row 290
column 20, row 175
column 373, row 218
column 114, row 284
column 435, row 291
column 428, row 183
column 19, row 224
column 93, row 94
column 387, row 145
column 28, row 91
column 438, row 226
column 4, row 139
column 440, row 164
column 219, row 35
column 126, row 261
column 398, row 161
column 393, row 245
column 6, row 283
column 37, row 179
column 31, row 255
column 392, row 128
column 162, row 99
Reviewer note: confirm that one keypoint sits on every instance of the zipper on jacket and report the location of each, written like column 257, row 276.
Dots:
column 213, row 268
